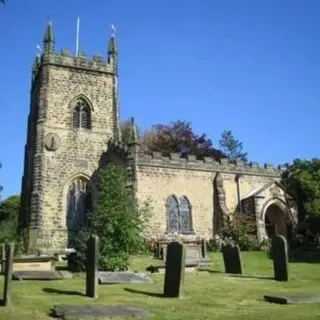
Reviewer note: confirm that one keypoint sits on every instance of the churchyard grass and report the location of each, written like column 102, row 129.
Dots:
column 207, row 295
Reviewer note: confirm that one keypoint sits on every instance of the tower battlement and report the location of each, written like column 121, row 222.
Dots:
column 98, row 63
column 209, row 164
column 65, row 59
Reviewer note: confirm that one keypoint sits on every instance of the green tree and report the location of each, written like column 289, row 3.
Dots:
column 118, row 221
column 302, row 181
column 232, row 147
column 1, row 188
column 9, row 211
column 179, row 137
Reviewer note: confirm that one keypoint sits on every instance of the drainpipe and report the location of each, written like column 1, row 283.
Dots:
column 237, row 179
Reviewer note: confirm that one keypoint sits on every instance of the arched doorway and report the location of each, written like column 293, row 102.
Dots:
column 276, row 221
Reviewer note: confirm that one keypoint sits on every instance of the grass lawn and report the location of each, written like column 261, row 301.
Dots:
column 208, row 295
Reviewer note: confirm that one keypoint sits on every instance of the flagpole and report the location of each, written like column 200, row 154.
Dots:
column 77, row 38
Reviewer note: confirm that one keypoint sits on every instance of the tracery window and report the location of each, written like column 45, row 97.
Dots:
column 78, row 203
column 81, row 117
column 179, row 215
column 173, row 214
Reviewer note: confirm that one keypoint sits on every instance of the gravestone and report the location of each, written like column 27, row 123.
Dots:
column 204, row 248
column 96, row 311
column 8, row 275
column 33, row 263
column 232, row 259
column 175, row 268
column 106, row 277
column 3, row 257
column 92, row 267
column 37, row 275
column 292, row 299
column 280, row 258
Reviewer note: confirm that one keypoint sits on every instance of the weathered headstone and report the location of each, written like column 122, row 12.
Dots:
column 33, row 263
column 232, row 259
column 292, row 299
column 106, row 277
column 36, row 275
column 175, row 268
column 92, row 267
column 3, row 256
column 8, row 275
column 97, row 311
column 204, row 248
column 280, row 258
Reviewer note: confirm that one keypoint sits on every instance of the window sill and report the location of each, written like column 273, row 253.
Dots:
column 192, row 232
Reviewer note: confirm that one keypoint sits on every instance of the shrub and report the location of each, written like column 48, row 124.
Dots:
column 118, row 222
column 214, row 244
column 241, row 230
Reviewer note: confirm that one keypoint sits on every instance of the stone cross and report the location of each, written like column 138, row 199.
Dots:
column 175, row 267
column 280, row 258
column 92, row 267
column 8, row 275
column 232, row 259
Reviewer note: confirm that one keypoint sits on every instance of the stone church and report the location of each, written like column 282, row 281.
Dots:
column 74, row 126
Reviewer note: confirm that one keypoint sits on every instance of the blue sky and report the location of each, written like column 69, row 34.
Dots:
column 251, row 66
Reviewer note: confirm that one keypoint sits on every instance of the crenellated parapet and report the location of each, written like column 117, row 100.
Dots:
column 80, row 61
column 175, row 161
column 64, row 59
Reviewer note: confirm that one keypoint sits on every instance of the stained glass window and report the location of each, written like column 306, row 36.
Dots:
column 185, row 215
column 79, row 203
column 81, row 115
column 173, row 214
column 179, row 215
column 76, row 117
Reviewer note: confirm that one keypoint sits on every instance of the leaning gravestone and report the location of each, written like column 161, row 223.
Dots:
column 232, row 259
column 92, row 267
column 204, row 248
column 3, row 257
column 175, row 268
column 280, row 258
column 8, row 275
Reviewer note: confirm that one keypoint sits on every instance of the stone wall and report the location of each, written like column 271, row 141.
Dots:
column 159, row 177
column 76, row 152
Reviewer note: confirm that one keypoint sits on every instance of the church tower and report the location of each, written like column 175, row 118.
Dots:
column 73, row 114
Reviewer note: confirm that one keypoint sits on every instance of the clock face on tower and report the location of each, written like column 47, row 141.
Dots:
column 52, row 141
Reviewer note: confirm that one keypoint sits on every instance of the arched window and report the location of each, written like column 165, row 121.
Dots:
column 81, row 117
column 173, row 214
column 179, row 215
column 78, row 203
column 185, row 215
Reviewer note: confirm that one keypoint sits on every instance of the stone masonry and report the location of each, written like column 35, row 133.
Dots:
column 56, row 154
column 58, row 81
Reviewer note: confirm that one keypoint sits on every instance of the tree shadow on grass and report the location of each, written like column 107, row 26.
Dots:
column 150, row 294
column 250, row 277
column 307, row 256
column 63, row 292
